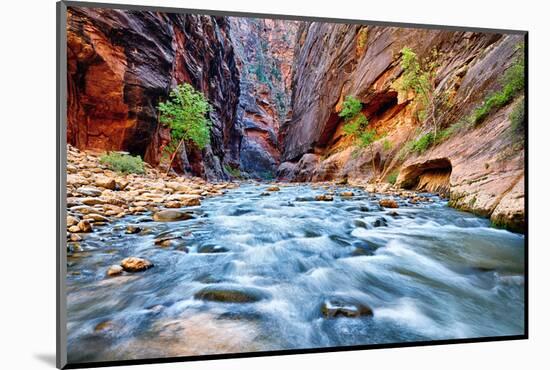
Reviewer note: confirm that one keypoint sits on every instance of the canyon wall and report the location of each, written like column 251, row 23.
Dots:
column 479, row 166
column 265, row 51
column 122, row 63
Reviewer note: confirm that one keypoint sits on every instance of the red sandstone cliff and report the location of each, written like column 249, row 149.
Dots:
column 120, row 63
column 480, row 166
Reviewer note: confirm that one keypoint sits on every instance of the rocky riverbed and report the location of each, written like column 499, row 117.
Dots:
column 96, row 195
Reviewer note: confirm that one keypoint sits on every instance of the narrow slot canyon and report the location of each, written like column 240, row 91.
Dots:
column 240, row 184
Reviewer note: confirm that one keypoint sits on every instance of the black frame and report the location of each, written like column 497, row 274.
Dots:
column 61, row 163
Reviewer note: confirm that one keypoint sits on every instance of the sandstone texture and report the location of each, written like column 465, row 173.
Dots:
column 479, row 167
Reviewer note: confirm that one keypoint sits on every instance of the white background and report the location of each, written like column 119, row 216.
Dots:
column 27, row 180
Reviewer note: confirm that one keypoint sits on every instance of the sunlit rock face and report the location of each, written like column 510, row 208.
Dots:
column 333, row 61
column 121, row 63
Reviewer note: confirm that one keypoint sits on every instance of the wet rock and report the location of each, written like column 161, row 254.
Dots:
column 85, row 226
column 360, row 223
column 265, row 194
column 104, row 326
column 273, row 188
column 170, row 215
column 212, row 249
column 380, row 222
column 173, row 204
column 74, row 247
column 231, row 294
column 115, row 270
column 304, row 199
column 135, row 264
column 338, row 307
column 72, row 221
column 388, row 203
column 324, row 198
column 347, row 194
column 393, row 213
column 133, row 229
column 74, row 229
column 75, row 237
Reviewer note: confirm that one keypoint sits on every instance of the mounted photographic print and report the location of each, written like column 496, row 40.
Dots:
column 235, row 185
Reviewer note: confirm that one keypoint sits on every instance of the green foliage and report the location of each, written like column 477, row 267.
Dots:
column 362, row 38
column 185, row 114
column 124, row 163
column 424, row 142
column 417, row 79
column 352, row 106
column 366, row 138
column 392, row 177
column 517, row 116
column 513, row 83
column 355, row 126
column 234, row 172
column 386, row 144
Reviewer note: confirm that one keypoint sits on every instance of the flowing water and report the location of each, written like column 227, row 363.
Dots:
column 428, row 272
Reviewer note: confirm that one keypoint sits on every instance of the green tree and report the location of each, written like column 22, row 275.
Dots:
column 420, row 78
column 356, row 126
column 185, row 113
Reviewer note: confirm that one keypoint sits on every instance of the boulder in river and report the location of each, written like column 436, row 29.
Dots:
column 347, row 194
column 388, row 203
column 135, row 264
column 230, row 293
column 169, row 215
column 133, row 229
column 324, row 198
column 273, row 188
column 336, row 307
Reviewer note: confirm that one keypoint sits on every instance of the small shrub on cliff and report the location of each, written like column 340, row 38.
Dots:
column 185, row 113
column 352, row 106
column 386, row 144
column 420, row 78
column 517, row 116
column 392, row 177
column 513, row 83
column 423, row 143
column 356, row 126
column 124, row 163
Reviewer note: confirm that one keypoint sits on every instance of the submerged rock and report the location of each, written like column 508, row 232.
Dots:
column 115, row 270
column 380, row 222
column 135, row 264
column 342, row 307
column 233, row 294
column 171, row 215
column 212, row 249
column 133, row 229
column 273, row 188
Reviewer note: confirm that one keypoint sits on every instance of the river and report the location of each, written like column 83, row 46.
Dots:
column 426, row 271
